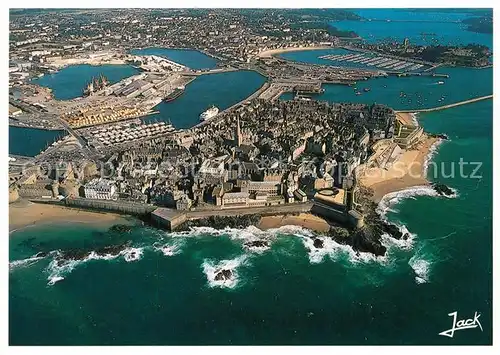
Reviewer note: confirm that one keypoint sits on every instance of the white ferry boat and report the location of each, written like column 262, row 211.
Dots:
column 211, row 112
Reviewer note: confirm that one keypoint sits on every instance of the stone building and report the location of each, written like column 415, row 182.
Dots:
column 100, row 189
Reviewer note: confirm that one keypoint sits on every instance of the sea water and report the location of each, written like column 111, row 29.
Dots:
column 69, row 82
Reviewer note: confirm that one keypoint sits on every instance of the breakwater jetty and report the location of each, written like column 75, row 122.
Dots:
column 444, row 107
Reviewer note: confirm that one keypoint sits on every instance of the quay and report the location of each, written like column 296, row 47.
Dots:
column 13, row 123
column 439, row 108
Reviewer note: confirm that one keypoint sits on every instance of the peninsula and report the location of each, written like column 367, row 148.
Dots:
column 261, row 161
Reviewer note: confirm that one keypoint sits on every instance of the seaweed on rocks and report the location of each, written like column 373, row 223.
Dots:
column 121, row 228
column 80, row 254
column 221, row 222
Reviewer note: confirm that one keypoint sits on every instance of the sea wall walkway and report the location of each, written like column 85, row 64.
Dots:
column 171, row 218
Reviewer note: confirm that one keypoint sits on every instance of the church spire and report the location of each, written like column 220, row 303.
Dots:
column 238, row 132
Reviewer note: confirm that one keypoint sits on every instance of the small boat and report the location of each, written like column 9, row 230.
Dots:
column 366, row 89
column 440, row 82
column 358, row 93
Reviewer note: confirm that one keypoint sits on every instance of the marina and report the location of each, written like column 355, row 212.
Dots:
column 379, row 62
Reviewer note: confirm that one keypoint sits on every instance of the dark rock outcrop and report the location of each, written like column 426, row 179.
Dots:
column 442, row 136
column 224, row 275
column 256, row 244
column 112, row 249
column 394, row 231
column 318, row 243
column 367, row 240
column 80, row 254
column 442, row 189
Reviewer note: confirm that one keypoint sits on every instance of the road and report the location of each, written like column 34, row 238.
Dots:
column 85, row 148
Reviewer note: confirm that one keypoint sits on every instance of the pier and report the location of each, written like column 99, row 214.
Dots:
column 439, row 108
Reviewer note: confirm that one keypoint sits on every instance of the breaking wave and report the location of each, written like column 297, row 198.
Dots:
column 414, row 118
column 335, row 251
column 430, row 155
column 212, row 268
column 132, row 254
column 59, row 267
column 170, row 248
column 24, row 262
column 389, row 200
column 248, row 236
column 422, row 269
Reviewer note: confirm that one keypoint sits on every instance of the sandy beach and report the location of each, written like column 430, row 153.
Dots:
column 407, row 171
column 305, row 220
column 271, row 52
column 406, row 118
column 25, row 213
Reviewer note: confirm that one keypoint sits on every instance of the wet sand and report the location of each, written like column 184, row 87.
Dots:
column 305, row 220
column 25, row 213
column 407, row 171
